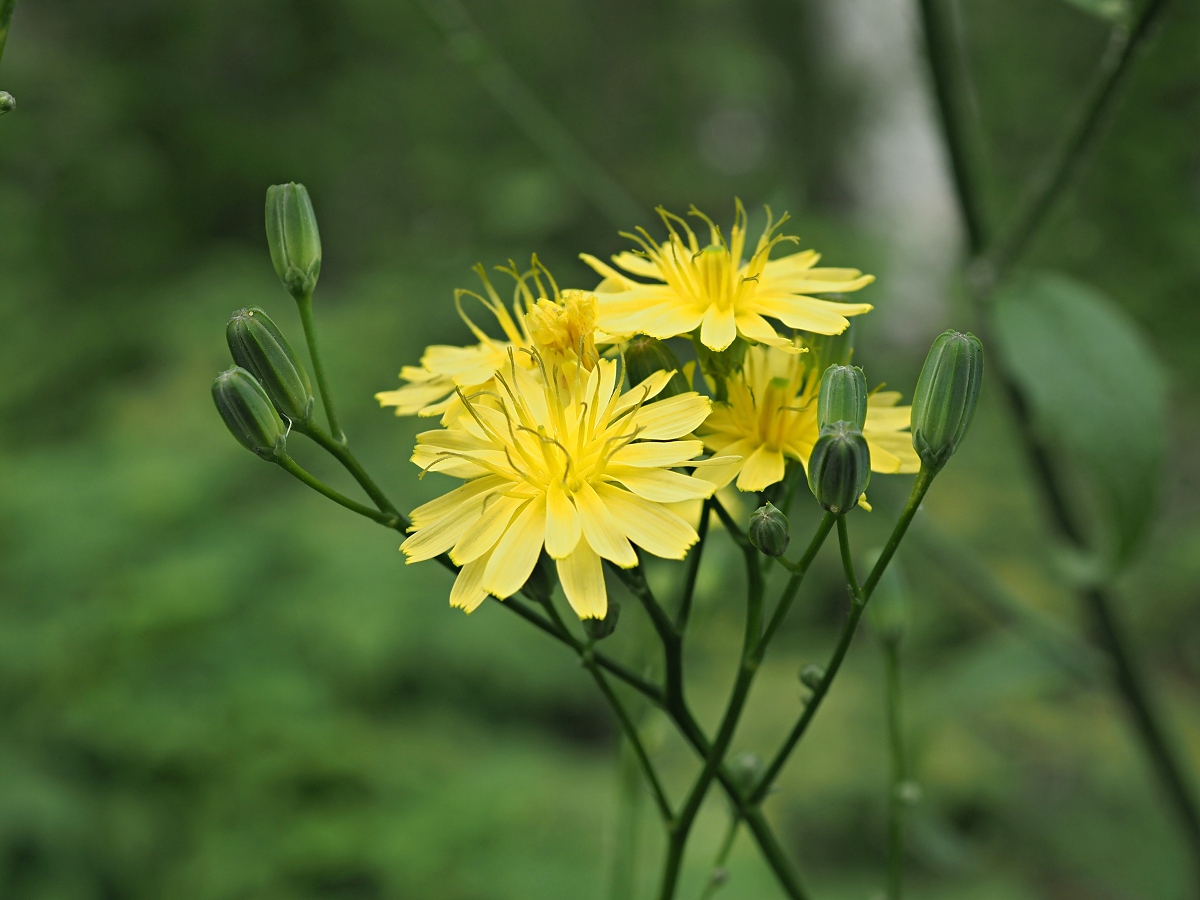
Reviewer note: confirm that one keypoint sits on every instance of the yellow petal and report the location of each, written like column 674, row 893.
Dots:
column 638, row 265
column 651, row 526
column 428, row 513
column 660, row 485
column 482, row 536
column 562, row 522
column 468, row 591
column 517, row 552
column 436, row 539
column 721, row 475
column 807, row 313
column 600, row 531
column 719, row 328
column 582, row 578
column 658, row 454
column 761, row 469
column 674, row 417
column 892, row 452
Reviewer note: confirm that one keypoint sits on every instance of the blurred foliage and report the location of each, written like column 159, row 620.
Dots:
column 216, row 685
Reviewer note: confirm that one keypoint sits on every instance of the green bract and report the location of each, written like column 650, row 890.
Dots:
column 769, row 530
column 843, row 397
column 646, row 355
column 944, row 403
column 7, row 102
column 259, row 347
column 293, row 238
column 248, row 413
column 599, row 629
column 839, row 468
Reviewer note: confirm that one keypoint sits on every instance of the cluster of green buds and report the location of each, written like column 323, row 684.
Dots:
column 839, row 466
column 268, row 385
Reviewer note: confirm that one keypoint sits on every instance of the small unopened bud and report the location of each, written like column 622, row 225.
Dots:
column 769, row 530
column 248, row 413
column 746, row 768
column 599, row 629
column 944, row 402
column 7, row 102
column 646, row 355
column 843, row 397
column 811, row 676
column 839, row 468
column 259, row 347
column 293, row 238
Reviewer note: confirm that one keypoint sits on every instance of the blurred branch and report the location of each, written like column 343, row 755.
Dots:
column 6, row 12
column 986, row 269
column 469, row 46
column 896, row 795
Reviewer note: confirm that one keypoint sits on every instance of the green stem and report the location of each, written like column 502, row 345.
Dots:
column 939, row 47
column 304, row 303
column 747, row 668
column 6, row 12
column 719, row 874
column 469, row 47
column 1064, row 161
column 693, row 569
column 344, row 455
column 628, row 827
column 292, row 467
column 858, row 601
column 896, row 800
column 792, row 588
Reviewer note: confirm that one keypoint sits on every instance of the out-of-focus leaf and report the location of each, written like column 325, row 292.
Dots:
column 1097, row 391
column 1110, row 10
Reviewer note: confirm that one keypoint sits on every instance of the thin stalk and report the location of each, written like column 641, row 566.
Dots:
column 719, row 874
column 344, row 455
column 468, row 45
column 896, row 800
column 747, row 668
column 693, row 569
column 858, row 601
column 304, row 304
column 6, row 12
column 290, row 466
column 635, row 580
column 792, row 588
column 939, row 47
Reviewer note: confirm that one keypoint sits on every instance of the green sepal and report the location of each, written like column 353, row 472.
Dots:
column 293, row 238
column 249, row 414
column 944, row 402
column 259, row 347
column 839, row 468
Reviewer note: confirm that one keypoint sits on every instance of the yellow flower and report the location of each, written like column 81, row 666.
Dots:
column 565, row 461
column 561, row 325
column 712, row 289
column 771, row 415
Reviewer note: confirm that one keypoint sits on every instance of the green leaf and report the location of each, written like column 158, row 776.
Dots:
column 1098, row 395
column 1109, row 10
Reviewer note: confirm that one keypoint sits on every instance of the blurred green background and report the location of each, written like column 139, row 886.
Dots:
column 215, row 684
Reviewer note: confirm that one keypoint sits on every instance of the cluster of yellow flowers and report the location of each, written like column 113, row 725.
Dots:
column 557, row 453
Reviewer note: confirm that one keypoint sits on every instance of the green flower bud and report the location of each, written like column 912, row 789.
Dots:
column 944, row 403
column 769, row 530
column 293, row 238
column 830, row 349
column 843, row 397
column 890, row 610
column 646, row 355
column 248, row 413
column 812, row 675
column 599, row 629
column 839, row 468
column 7, row 102
column 746, row 769
column 259, row 347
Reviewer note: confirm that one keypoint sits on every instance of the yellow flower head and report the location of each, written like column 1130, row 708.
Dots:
column 771, row 415
column 563, row 460
column 712, row 288
column 561, row 325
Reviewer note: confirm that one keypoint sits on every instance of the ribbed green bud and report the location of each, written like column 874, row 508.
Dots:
column 7, row 102
column 811, row 676
column 259, row 347
column 248, row 413
column 830, row 349
column 944, row 403
column 293, row 238
column 599, row 629
column 843, row 397
column 890, row 610
column 769, row 530
column 839, row 468
column 646, row 355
